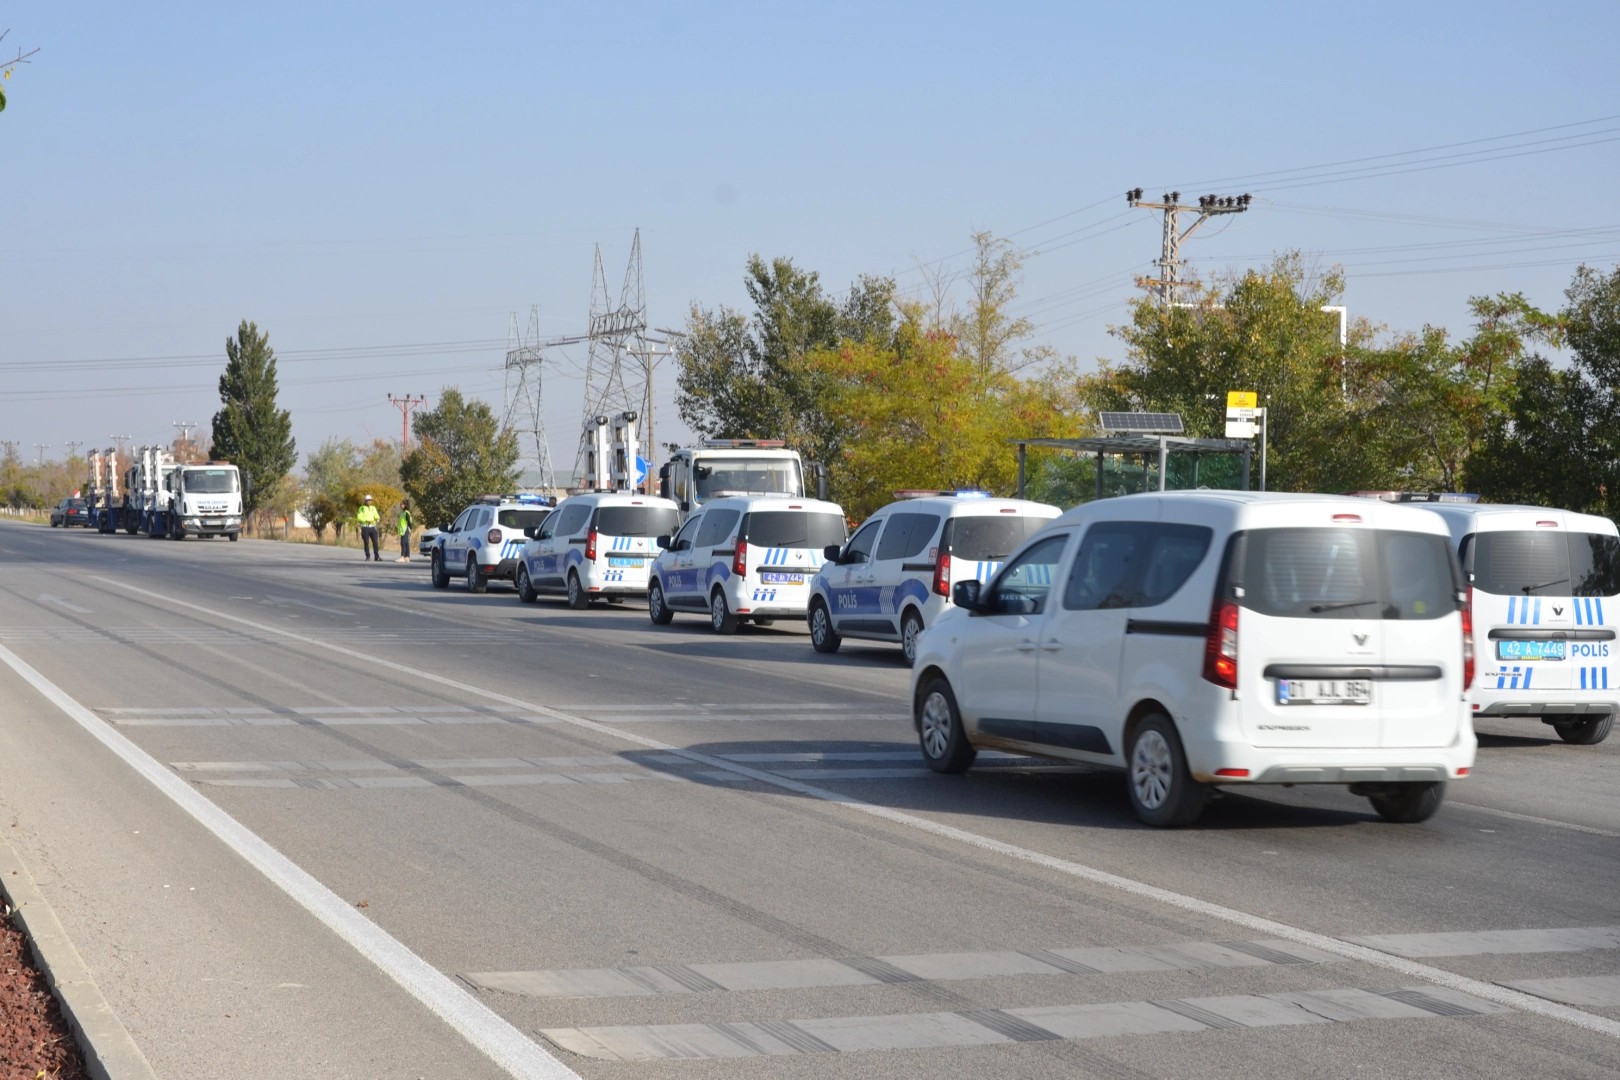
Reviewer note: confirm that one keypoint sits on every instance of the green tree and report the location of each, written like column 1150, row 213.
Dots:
column 461, row 453
column 250, row 431
column 749, row 377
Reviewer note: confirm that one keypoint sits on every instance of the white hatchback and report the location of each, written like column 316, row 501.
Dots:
column 1215, row 637
column 744, row 557
column 893, row 578
column 595, row 546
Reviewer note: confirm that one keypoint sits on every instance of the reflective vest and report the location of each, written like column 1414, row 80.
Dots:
column 367, row 514
column 404, row 522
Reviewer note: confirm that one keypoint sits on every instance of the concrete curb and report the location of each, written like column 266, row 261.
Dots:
column 109, row 1052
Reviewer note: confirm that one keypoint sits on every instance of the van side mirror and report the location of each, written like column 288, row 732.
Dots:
column 663, row 541
column 831, row 552
column 533, row 531
column 965, row 594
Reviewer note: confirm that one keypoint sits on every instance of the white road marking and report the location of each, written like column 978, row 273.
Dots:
column 1532, row 820
column 1258, row 924
column 48, row 598
column 472, row 1019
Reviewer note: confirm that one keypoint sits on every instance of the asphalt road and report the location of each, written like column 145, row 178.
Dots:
column 306, row 815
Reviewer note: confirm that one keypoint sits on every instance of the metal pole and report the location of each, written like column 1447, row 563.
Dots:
column 1164, row 455
column 1265, row 428
column 1023, row 451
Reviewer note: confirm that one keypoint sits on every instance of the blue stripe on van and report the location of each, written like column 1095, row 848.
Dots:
column 1528, row 671
column 1512, row 600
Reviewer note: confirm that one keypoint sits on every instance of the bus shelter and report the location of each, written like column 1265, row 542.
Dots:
column 1149, row 450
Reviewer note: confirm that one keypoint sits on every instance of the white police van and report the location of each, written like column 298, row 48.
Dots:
column 485, row 540
column 744, row 557
column 893, row 578
column 1544, row 590
column 1202, row 638
column 595, row 546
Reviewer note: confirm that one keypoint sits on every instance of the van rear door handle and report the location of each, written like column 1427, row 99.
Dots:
column 1051, row 645
column 1025, row 646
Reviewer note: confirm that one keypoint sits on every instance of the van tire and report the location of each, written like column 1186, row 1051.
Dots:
column 657, row 610
column 1410, row 802
column 578, row 598
column 525, row 587
column 441, row 578
column 476, row 581
column 720, row 616
column 1162, row 791
column 911, row 627
column 1585, row 732
column 940, row 733
column 822, row 635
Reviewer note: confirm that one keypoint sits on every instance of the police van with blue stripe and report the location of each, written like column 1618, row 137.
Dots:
column 1544, row 600
column 485, row 541
column 893, row 578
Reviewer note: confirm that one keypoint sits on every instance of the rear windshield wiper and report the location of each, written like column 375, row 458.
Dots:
column 1317, row 609
column 1544, row 584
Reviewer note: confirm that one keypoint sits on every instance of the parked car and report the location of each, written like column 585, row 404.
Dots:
column 424, row 543
column 1199, row 638
column 484, row 542
column 70, row 512
column 595, row 546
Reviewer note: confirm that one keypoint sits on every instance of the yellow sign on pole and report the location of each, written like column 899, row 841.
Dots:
column 1242, row 399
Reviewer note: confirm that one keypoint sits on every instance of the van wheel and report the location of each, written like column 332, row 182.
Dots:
column 578, row 598
column 657, row 610
column 476, row 582
column 944, row 742
column 1585, row 732
column 525, row 587
column 1163, row 793
column 822, row 634
column 441, row 577
column 720, row 616
column 1408, row 803
column 911, row 627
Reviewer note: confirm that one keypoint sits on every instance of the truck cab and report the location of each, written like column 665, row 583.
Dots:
column 722, row 467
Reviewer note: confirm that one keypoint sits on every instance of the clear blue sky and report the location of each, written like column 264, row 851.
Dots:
column 381, row 186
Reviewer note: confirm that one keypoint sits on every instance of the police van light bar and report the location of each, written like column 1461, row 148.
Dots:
column 536, row 500
column 743, row 444
column 928, row 493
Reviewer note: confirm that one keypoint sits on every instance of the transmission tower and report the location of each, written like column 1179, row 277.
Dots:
column 525, row 405
column 1169, row 262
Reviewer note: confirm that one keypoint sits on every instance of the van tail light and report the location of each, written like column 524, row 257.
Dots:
column 494, row 536
column 942, row 575
column 1220, row 648
column 590, row 545
column 739, row 561
column 1468, row 641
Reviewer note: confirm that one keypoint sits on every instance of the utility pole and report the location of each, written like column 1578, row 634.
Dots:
column 73, row 448
column 123, row 444
column 406, row 405
column 185, row 446
column 40, row 457
column 1169, row 262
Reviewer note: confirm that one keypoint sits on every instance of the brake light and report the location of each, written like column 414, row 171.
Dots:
column 590, row 545
column 494, row 536
column 1220, row 648
column 1468, row 641
column 739, row 561
column 942, row 575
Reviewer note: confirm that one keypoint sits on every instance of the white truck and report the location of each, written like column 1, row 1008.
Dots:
column 163, row 497
column 719, row 467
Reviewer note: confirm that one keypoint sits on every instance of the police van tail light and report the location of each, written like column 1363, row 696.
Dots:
column 942, row 575
column 1220, row 648
column 739, row 561
column 1468, row 641
column 590, row 545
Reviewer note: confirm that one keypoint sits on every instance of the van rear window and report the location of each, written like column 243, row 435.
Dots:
column 522, row 519
column 1344, row 574
column 988, row 538
column 637, row 520
column 794, row 529
column 1543, row 562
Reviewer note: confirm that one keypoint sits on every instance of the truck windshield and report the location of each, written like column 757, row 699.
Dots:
column 741, row 476
column 210, row 481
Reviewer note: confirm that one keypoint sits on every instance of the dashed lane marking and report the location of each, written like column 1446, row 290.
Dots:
column 986, row 1027
column 1444, row 980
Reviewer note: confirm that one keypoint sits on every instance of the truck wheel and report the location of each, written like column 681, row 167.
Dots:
column 234, row 537
column 1163, row 792
column 441, row 578
column 476, row 581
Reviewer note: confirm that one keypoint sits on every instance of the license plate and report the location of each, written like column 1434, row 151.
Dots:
column 1532, row 650
column 617, row 560
column 781, row 579
column 1324, row 692
column 213, row 521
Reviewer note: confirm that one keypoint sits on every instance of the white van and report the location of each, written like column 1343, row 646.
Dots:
column 596, row 546
column 1198, row 638
column 893, row 578
column 744, row 557
column 1544, row 590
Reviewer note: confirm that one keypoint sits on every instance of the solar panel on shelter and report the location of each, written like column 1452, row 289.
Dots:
column 1142, row 423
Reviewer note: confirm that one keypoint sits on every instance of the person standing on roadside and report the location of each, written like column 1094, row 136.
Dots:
column 368, row 517
column 404, row 531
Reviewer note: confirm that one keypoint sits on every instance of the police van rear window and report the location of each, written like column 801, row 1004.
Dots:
column 1343, row 574
column 988, row 538
column 637, row 520
column 1543, row 562
column 793, row 529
